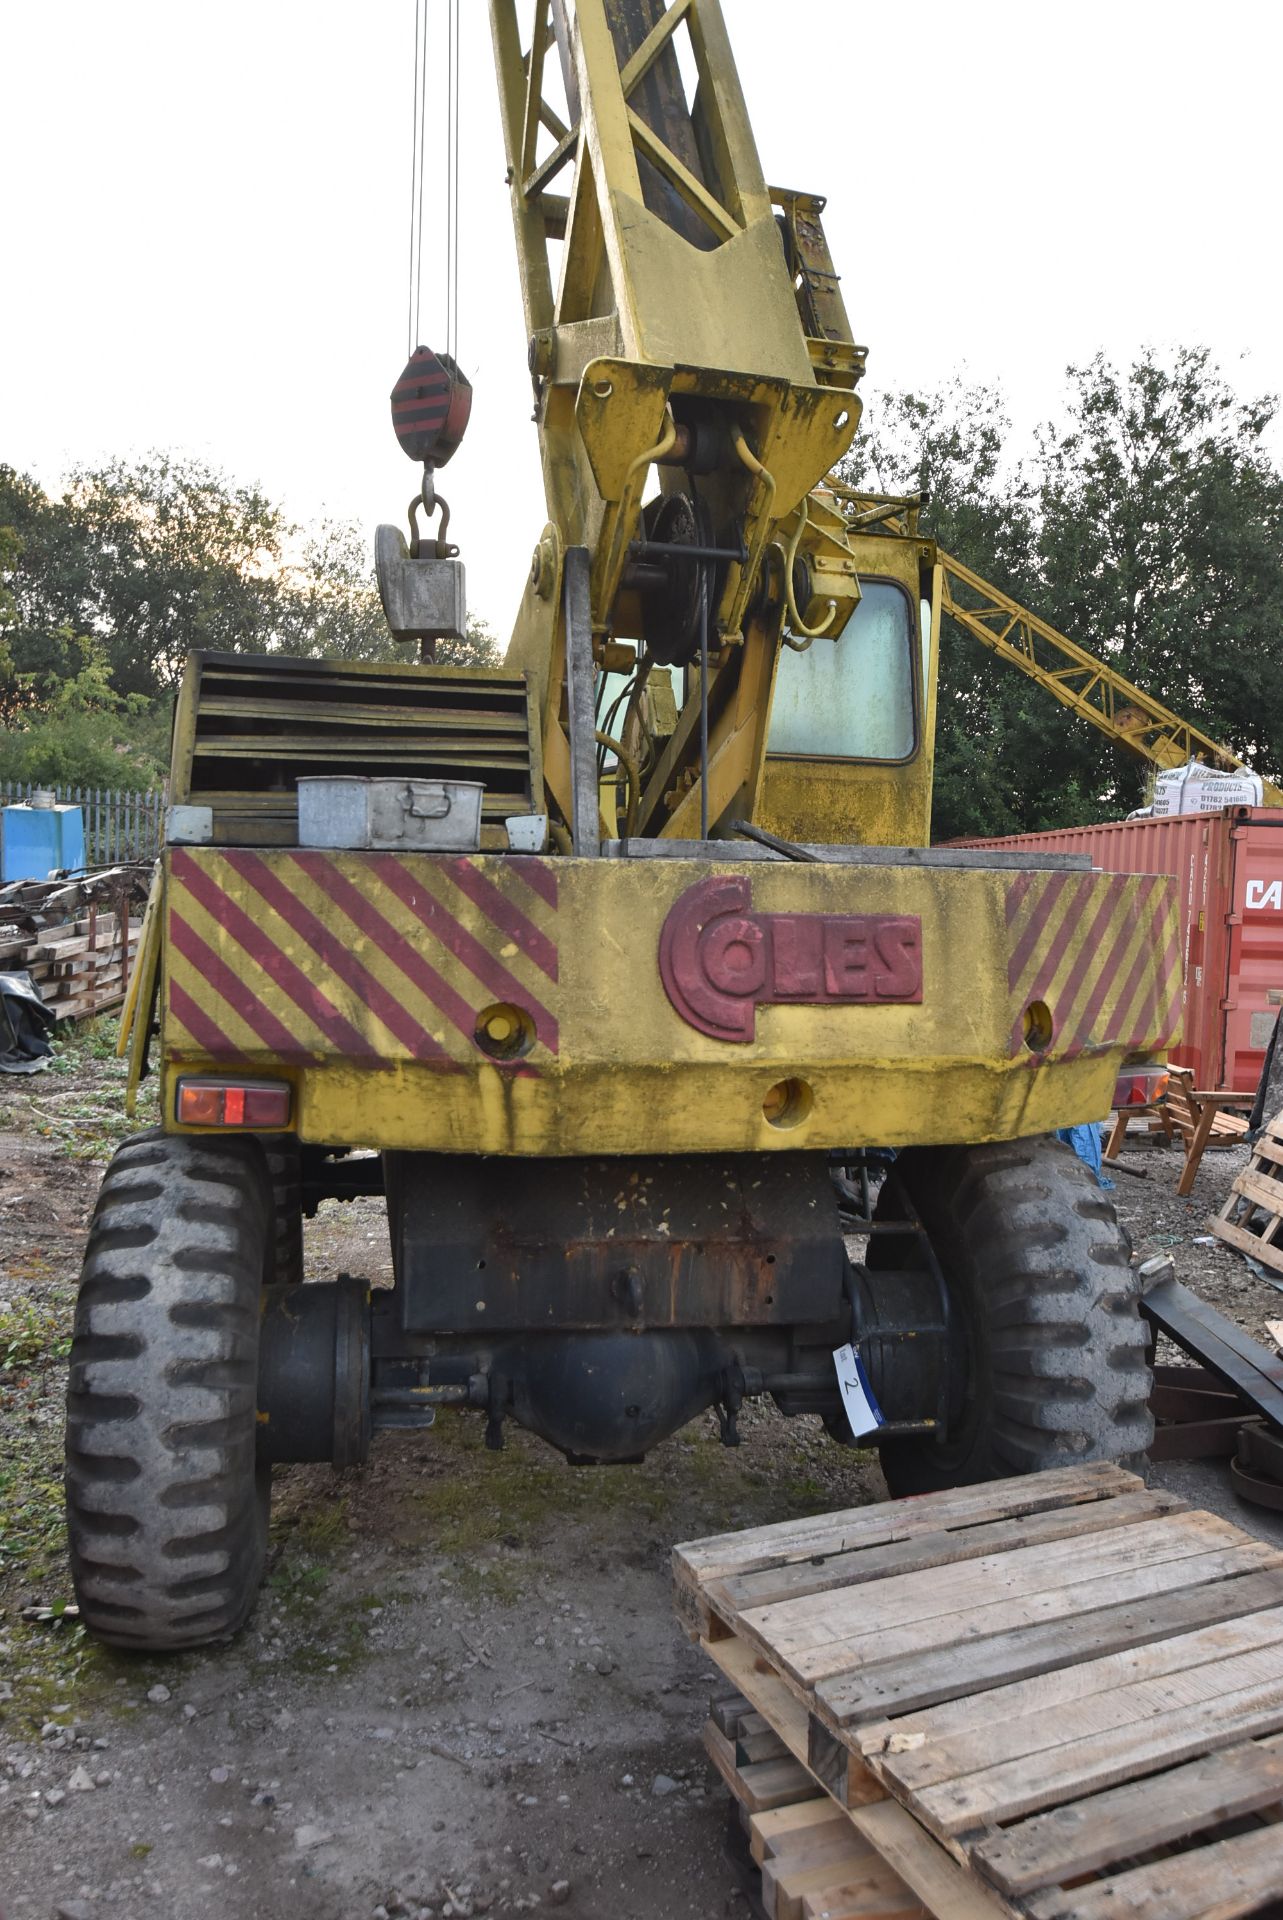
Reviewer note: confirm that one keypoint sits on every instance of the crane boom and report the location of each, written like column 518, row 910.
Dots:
column 1080, row 680
column 1069, row 672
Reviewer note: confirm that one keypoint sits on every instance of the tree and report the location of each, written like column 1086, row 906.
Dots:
column 105, row 589
column 179, row 559
column 1162, row 541
column 1148, row 525
column 950, row 444
column 42, row 579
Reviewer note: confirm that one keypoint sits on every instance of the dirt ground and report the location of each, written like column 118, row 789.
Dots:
column 463, row 1690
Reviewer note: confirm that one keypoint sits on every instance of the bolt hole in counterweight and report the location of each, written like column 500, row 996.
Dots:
column 1039, row 1026
column 504, row 1032
column 788, row 1104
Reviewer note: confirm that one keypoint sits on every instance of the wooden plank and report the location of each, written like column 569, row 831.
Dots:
column 752, row 1747
column 1079, row 1839
column 944, row 1888
column 1002, row 1616
column 750, row 1722
column 773, row 1783
column 769, row 1783
column 698, row 1566
column 857, row 1903
column 786, row 1883
column 999, row 1711
column 726, row 1711
column 937, row 1673
column 986, row 1742
column 721, row 1752
column 905, row 1614
column 1098, row 1760
column 1262, row 1191
column 764, row 1689
column 1263, row 1250
column 837, row 1847
column 816, row 1619
column 1219, row 1882
column 842, row 1772
column 724, row 1554
column 781, row 1827
column 826, row 1574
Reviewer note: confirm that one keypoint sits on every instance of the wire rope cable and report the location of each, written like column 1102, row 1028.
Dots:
column 417, row 127
column 452, row 178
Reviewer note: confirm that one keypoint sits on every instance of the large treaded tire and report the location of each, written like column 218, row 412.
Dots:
column 166, row 1503
column 1049, row 1349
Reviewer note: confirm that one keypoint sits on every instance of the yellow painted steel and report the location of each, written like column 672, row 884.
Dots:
column 676, row 300
column 135, row 1016
column 625, row 1073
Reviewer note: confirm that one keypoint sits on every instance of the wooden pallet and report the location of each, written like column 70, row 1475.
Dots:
column 79, row 968
column 1252, row 1217
column 1058, row 1697
column 805, row 1858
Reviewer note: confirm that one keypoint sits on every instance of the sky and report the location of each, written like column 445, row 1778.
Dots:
column 205, row 223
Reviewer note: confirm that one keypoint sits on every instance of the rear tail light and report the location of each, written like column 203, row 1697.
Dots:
column 233, row 1103
column 1140, row 1086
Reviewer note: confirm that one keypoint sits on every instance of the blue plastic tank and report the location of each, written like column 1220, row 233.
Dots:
column 34, row 841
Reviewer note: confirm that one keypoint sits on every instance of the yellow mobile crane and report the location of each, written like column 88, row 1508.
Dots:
column 600, row 1079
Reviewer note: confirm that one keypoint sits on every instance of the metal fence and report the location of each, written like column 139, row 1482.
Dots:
column 119, row 826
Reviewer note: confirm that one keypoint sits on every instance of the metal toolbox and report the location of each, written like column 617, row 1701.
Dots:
column 343, row 810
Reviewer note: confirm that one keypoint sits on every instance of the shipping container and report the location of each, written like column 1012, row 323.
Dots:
column 1229, row 866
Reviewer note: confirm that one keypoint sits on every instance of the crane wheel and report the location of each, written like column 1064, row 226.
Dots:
column 1048, row 1356
column 166, row 1502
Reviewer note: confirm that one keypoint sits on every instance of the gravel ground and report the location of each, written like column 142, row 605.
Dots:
column 463, row 1690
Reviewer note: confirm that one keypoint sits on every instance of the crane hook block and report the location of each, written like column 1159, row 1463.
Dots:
column 430, row 406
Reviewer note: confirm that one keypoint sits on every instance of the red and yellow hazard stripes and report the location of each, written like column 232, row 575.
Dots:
column 298, row 956
column 1102, row 953
column 363, row 976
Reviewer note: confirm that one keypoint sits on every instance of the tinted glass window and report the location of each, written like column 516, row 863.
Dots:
column 852, row 697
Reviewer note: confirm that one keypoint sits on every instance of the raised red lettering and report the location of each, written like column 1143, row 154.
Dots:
column 718, row 959
column 733, row 953
column 797, row 956
column 846, row 958
column 898, row 945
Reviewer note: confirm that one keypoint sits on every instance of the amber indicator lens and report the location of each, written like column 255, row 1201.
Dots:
column 1140, row 1086
column 233, row 1103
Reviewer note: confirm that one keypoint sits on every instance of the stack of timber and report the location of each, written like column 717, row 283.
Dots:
column 77, row 939
column 1252, row 1217
column 1058, row 1697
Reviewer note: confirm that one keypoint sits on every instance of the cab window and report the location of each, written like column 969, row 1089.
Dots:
column 853, row 698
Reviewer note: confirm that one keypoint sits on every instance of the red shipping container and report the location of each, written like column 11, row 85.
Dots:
column 1230, row 869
